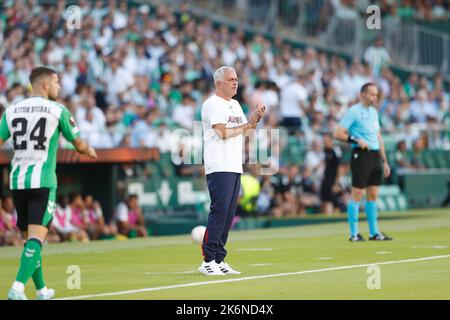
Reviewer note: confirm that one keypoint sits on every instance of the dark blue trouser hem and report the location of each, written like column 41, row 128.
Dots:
column 224, row 192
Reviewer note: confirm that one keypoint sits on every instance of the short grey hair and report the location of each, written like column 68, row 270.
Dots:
column 219, row 74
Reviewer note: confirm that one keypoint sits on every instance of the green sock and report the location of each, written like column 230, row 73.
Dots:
column 38, row 276
column 31, row 254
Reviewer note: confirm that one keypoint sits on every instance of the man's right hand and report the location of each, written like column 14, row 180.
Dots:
column 83, row 148
column 91, row 153
column 362, row 144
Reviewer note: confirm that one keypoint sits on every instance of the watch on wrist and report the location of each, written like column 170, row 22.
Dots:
column 352, row 139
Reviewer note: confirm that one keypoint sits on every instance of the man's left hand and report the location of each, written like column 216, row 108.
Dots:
column 386, row 169
column 260, row 109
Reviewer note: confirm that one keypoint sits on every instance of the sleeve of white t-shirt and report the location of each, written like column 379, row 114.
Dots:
column 302, row 95
column 122, row 212
column 213, row 115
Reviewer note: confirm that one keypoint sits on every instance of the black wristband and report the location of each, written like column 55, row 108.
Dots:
column 352, row 139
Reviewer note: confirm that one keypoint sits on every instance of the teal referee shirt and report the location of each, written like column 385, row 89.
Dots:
column 362, row 122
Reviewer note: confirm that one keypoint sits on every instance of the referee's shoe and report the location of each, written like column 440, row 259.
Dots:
column 356, row 238
column 380, row 237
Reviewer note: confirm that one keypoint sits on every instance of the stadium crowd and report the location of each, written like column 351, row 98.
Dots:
column 131, row 74
column 319, row 11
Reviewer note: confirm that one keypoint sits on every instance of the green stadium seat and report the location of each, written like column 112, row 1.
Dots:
column 441, row 158
column 428, row 159
column 381, row 204
column 390, row 142
column 402, row 203
column 391, row 199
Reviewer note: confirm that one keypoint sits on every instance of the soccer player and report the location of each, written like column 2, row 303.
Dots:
column 35, row 125
column 224, row 125
column 361, row 128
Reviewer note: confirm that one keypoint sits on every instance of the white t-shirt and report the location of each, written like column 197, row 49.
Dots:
column 290, row 100
column 222, row 155
column 184, row 116
column 122, row 212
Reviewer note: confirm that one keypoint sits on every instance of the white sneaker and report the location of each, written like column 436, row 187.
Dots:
column 16, row 295
column 49, row 294
column 210, row 269
column 225, row 268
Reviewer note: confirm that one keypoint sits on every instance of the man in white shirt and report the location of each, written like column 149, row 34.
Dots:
column 421, row 108
column 184, row 113
column 224, row 125
column 292, row 103
column 120, row 81
column 377, row 57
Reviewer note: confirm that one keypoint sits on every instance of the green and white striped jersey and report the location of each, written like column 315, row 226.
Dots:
column 34, row 125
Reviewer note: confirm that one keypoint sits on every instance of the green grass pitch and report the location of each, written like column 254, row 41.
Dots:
column 307, row 262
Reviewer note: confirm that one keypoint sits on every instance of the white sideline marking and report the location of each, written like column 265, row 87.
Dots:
column 325, row 258
column 255, row 249
column 433, row 247
column 202, row 283
column 383, row 252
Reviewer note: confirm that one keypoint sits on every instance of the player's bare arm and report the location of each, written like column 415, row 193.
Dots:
column 386, row 168
column 82, row 147
column 342, row 134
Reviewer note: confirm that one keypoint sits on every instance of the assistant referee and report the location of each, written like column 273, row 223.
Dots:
column 360, row 127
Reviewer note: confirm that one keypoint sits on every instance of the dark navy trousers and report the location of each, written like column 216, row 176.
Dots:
column 224, row 192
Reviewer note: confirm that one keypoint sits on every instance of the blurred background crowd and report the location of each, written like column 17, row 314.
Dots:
column 132, row 74
column 78, row 217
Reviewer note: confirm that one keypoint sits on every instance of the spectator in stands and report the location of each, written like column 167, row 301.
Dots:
column 422, row 109
column 130, row 220
column 292, row 103
column 76, row 211
column 119, row 81
column 377, row 57
column 401, row 157
column 88, row 103
column 309, row 195
column 163, row 136
column 62, row 222
column 403, row 112
column 416, row 159
column 411, row 85
column 439, row 10
column 94, row 132
column 9, row 233
column 329, row 192
column 184, row 113
column 289, row 190
column 97, row 228
column 144, row 133
column 406, row 10
column 268, row 203
column 314, row 158
column 183, row 169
